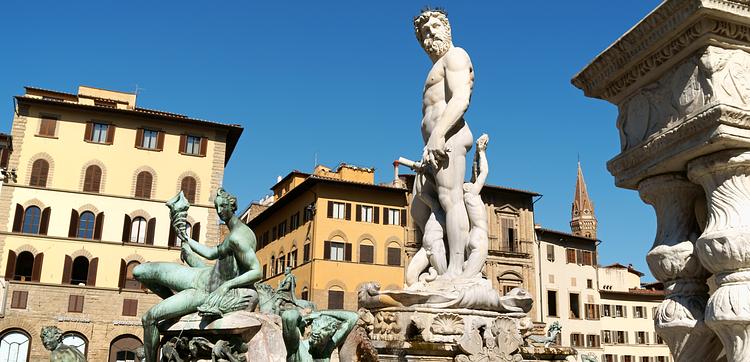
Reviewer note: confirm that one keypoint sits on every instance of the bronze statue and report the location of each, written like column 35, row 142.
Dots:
column 52, row 340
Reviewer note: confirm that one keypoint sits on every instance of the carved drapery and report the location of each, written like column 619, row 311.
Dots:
column 672, row 260
column 724, row 246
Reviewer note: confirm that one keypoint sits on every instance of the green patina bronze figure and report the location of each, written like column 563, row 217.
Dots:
column 329, row 329
column 52, row 340
column 211, row 290
column 283, row 298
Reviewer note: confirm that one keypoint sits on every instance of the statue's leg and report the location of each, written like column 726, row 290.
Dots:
column 450, row 182
column 432, row 251
column 182, row 303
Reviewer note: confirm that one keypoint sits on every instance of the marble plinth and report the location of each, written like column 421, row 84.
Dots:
column 242, row 334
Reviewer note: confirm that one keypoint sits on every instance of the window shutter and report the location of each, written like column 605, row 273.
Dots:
column 44, row 223
column 403, row 217
column 67, row 270
column 196, row 231
column 348, row 251
column 172, row 241
column 89, row 132
column 98, row 224
column 73, row 230
column 36, row 271
column 91, row 278
column 376, row 215
column 327, row 250
column 204, row 146
column 110, row 133
column 306, row 253
column 330, row 209
column 123, row 272
column 5, row 157
column 160, row 141
column 335, row 299
column 348, row 211
column 151, row 229
column 139, row 137
column 126, row 225
column 183, row 143
column 359, row 213
column 386, row 221
column 10, row 268
column 18, row 219
column 366, row 254
column 394, row 256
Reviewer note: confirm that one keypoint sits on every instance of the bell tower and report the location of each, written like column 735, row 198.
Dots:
column 582, row 219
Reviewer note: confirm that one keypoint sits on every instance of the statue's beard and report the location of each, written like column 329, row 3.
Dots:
column 437, row 45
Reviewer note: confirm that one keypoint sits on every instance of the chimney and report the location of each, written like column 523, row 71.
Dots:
column 395, row 171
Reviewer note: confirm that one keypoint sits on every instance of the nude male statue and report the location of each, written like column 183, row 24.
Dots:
column 439, row 206
column 209, row 289
column 52, row 341
column 478, row 244
column 328, row 330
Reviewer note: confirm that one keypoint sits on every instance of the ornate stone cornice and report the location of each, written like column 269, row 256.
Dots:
column 669, row 151
column 675, row 28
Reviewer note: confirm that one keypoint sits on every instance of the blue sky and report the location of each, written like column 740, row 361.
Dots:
column 341, row 81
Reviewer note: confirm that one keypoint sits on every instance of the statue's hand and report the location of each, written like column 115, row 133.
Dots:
column 435, row 152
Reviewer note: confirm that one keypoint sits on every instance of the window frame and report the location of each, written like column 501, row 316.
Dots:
column 81, row 232
column 103, row 129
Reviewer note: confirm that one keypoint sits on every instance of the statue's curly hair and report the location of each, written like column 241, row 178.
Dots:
column 228, row 198
column 51, row 332
column 425, row 15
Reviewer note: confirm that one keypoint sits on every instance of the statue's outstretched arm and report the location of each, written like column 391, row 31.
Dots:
column 188, row 256
column 208, row 252
column 348, row 321
column 481, row 166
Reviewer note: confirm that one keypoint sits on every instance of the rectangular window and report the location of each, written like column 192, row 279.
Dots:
column 638, row 312
column 393, row 217
column 336, row 251
column 621, row 337
column 587, row 258
column 292, row 258
column 508, row 234
column 265, row 270
column 593, row 341
column 365, row 213
column 282, row 229
column 575, row 307
column 335, row 299
column 193, row 145
column 551, row 253
column 570, row 256
column 658, row 339
column 130, row 307
column 640, row 338
column 304, row 295
column 507, row 289
column 75, row 304
column 47, row 126
column 99, row 133
column 19, row 299
column 619, row 311
column 150, row 139
column 306, row 253
column 338, row 211
column 308, row 213
column 280, row 264
column 552, row 303
column 394, row 256
column 294, row 221
column 273, row 233
column 576, row 340
column 366, row 254
column 589, row 284
column 606, row 310
column 592, row 311
column 607, row 337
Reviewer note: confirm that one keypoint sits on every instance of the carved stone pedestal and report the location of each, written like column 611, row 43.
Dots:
column 238, row 336
column 431, row 334
column 724, row 246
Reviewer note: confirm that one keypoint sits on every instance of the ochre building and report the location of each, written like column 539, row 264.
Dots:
column 87, row 206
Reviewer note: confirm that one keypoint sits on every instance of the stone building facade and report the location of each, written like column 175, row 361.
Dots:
column 87, row 206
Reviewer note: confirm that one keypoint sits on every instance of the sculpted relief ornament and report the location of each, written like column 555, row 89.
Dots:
column 445, row 205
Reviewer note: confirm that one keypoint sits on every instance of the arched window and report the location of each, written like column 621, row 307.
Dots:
column 123, row 348
column 130, row 281
column 138, row 230
column 80, row 271
column 39, row 172
column 75, row 340
column 292, row 257
column 143, row 184
column 305, row 294
column 188, row 187
column 273, row 265
column 366, row 252
column 92, row 179
column 336, row 298
column 393, row 254
column 86, row 225
column 31, row 220
column 24, row 267
column 14, row 346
